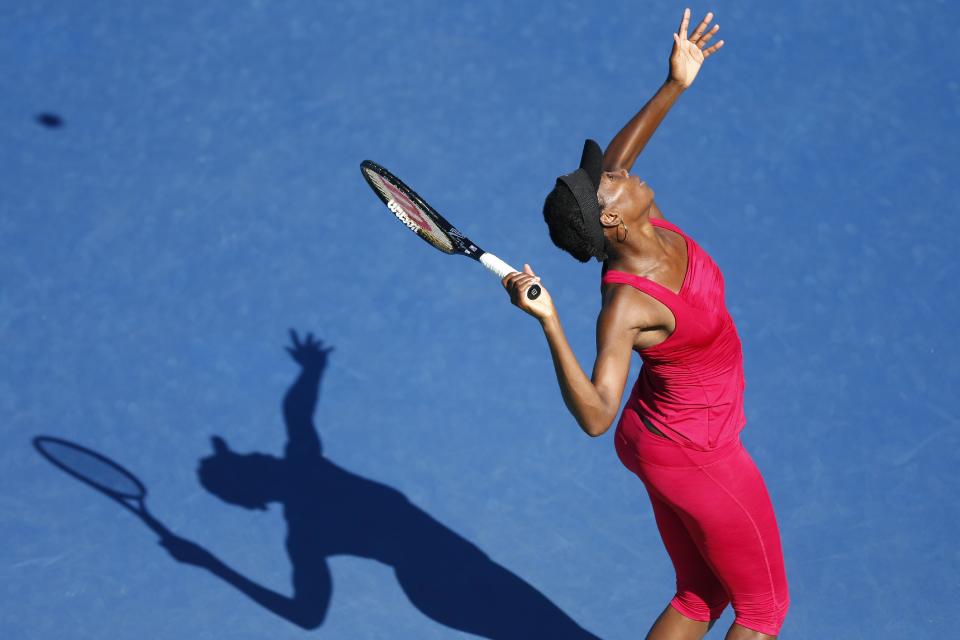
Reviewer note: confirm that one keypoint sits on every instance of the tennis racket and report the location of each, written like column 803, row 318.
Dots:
column 418, row 216
column 101, row 473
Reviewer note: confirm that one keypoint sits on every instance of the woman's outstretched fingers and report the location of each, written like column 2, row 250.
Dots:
column 698, row 32
column 684, row 23
column 708, row 36
column 713, row 49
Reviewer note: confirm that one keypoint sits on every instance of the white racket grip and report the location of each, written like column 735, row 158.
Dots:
column 495, row 264
column 502, row 269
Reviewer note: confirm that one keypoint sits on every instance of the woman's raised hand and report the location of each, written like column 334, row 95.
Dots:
column 688, row 52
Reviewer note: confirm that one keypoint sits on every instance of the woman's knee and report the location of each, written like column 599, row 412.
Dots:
column 763, row 616
column 699, row 606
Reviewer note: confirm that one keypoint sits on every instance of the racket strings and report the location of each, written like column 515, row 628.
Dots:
column 93, row 469
column 418, row 219
column 402, row 215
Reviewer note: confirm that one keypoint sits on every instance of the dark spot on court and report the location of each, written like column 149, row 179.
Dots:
column 49, row 120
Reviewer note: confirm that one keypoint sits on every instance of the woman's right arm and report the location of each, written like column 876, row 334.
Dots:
column 593, row 402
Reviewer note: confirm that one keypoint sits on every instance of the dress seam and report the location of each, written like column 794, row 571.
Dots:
column 756, row 531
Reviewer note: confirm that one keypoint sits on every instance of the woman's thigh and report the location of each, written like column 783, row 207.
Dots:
column 700, row 595
column 727, row 511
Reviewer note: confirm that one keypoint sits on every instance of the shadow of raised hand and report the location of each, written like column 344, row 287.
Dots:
column 310, row 353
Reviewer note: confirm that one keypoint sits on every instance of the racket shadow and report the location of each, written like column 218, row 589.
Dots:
column 331, row 511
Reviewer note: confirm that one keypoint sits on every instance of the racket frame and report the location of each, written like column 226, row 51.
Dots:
column 135, row 503
column 460, row 243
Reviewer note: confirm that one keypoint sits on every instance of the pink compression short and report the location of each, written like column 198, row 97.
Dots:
column 717, row 524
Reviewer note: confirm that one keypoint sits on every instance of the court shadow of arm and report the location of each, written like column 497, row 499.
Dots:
column 307, row 608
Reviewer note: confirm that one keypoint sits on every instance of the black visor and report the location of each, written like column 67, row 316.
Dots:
column 572, row 210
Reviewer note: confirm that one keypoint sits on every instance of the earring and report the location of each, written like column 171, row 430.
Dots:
column 619, row 239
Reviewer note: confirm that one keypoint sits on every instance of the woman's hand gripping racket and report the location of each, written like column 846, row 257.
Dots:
column 414, row 212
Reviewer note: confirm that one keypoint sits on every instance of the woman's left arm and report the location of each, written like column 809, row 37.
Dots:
column 686, row 58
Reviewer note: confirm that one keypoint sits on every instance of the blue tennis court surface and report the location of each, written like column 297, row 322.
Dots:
column 181, row 188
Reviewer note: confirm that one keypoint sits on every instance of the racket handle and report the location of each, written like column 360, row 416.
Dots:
column 502, row 269
column 157, row 526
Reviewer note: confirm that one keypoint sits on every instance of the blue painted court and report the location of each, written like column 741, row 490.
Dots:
column 181, row 188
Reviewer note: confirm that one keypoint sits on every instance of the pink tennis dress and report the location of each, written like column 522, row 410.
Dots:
column 709, row 499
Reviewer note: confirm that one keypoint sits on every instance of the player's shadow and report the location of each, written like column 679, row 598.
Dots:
column 331, row 511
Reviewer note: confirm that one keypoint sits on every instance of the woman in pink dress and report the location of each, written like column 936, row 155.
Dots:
column 663, row 297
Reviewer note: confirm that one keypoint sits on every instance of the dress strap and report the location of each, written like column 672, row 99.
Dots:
column 653, row 289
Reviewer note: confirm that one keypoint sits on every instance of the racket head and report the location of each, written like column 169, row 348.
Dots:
column 91, row 468
column 414, row 212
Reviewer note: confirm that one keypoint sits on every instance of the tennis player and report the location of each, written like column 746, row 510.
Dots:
column 663, row 297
